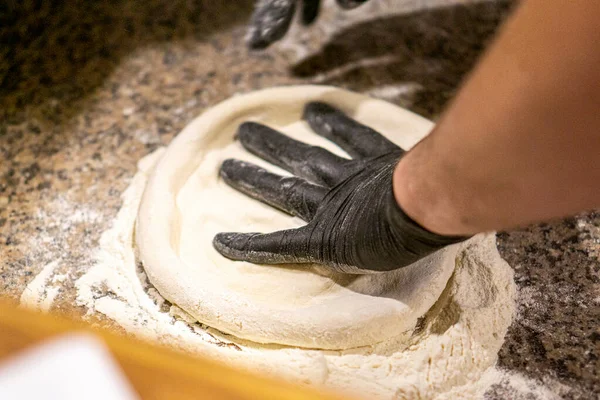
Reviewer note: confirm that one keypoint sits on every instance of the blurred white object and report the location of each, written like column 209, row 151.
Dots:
column 76, row 366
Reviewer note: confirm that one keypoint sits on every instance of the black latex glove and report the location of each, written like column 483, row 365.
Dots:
column 354, row 222
column 272, row 18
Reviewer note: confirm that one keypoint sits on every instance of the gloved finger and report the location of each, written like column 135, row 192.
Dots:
column 310, row 11
column 292, row 195
column 348, row 4
column 357, row 140
column 269, row 22
column 309, row 162
column 282, row 247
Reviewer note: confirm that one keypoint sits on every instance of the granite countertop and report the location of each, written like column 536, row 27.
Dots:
column 87, row 88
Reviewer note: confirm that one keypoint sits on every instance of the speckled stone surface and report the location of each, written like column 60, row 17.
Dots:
column 89, row 87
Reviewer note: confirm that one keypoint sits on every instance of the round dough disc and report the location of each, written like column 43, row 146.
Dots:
column 185, row 204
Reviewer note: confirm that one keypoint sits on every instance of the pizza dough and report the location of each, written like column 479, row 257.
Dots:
column 185, row 204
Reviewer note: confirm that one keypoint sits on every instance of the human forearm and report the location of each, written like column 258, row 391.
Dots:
column 521, row 141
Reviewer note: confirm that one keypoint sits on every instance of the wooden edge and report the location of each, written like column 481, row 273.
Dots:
column 155, row 372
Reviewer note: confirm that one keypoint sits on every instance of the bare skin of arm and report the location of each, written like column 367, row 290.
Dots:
column 521, row 141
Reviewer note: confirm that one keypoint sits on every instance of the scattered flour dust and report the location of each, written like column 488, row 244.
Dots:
column 43, row 289
column 451, row 354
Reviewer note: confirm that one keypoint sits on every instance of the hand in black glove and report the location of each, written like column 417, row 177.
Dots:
column 354, row 222
column 272, row 18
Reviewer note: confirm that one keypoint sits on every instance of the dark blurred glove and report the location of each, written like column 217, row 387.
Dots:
column 354, row 222
column 272, row 18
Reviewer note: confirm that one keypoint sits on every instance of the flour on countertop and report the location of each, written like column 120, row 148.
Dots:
column 36, row 293
column 42, row 290
column 452, row 355
column 453, row 351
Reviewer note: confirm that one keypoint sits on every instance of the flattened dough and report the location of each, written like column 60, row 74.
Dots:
column 185, row 204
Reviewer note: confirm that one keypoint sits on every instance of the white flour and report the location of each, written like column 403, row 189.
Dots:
column 451, row 354
column 40, row 293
